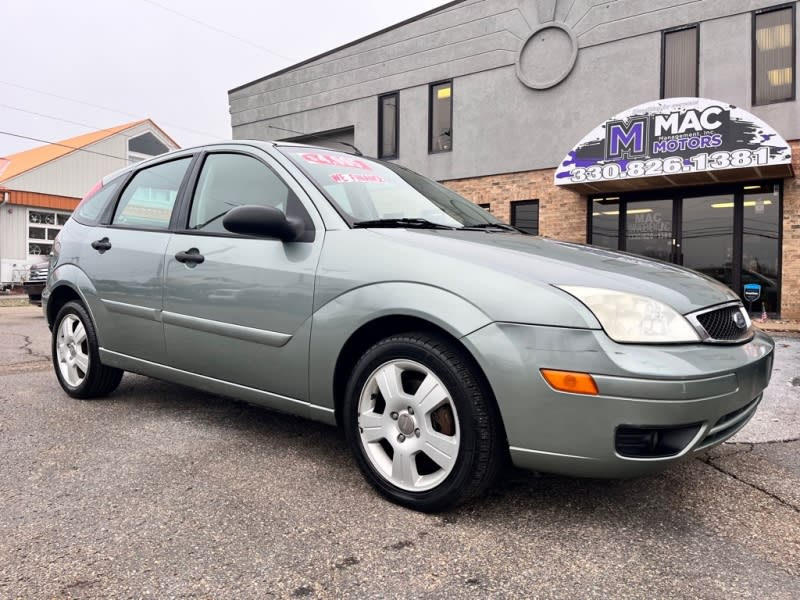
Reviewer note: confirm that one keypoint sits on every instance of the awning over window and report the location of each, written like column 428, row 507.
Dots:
column 675, row 141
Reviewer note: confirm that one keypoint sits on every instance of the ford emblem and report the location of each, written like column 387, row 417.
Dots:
column 738, row 319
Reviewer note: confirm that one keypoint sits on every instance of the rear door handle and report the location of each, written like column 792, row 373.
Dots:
column 101, row 245
column 192, row 256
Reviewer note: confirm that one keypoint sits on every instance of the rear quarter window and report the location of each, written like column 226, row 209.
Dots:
column 93, row 205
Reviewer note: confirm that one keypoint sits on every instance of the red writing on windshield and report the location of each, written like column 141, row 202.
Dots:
column 356, row 178
column 335, row 160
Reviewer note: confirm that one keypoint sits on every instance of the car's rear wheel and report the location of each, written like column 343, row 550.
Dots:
column 76, row 355
column 421, row 423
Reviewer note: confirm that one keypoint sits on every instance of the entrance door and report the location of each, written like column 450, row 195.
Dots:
column 649, row 229
column 706, row 236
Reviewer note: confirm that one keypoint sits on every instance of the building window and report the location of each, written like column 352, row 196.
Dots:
column 525, row 215
column 43, row 227
column 605, row 222
column 145, row 146
column 773, row 56
column 485, row 206
column 679, row 49
column 440, row 117
column 388, row 125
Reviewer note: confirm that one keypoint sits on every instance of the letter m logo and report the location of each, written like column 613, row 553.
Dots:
column 626, row 139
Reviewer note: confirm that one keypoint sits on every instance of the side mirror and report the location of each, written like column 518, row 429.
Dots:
column 264, row 222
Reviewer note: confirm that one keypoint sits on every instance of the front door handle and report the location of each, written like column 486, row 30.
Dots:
column 101, row 245
column 192, row 257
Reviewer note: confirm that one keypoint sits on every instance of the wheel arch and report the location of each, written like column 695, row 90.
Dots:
column 58, row 297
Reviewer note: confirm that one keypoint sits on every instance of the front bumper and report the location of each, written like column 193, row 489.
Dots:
column 710, row 391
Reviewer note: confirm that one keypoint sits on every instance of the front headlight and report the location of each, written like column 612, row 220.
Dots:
column 632, row 318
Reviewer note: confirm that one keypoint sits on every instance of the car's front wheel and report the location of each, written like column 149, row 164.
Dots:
column 76, row 355
column 421, row 422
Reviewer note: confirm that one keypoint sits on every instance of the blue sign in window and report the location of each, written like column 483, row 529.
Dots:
column 752, row 291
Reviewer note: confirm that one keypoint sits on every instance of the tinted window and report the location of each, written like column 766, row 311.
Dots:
column 230, row 180
column 605, row 222
column 525, row 216
column 680, row 63
column 388, row 118
column 92, row 207
column 773, row 60
column 440, row 138
column 148, row 200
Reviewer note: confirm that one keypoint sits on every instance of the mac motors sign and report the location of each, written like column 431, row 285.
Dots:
column 673, row 137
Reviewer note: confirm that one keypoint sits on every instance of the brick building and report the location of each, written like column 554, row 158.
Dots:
column 669, row 130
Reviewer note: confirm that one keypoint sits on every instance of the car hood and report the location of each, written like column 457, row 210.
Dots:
column 546, row 262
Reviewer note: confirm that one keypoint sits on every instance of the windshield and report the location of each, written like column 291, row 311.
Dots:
column 366, row 190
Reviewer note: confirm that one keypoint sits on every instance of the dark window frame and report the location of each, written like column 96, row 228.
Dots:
column 664, row 34
column 430, row 115
column 381, row 98
column 754, row 50
column 517, row 203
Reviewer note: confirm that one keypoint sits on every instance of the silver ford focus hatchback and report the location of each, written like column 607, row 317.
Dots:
column 355, row 292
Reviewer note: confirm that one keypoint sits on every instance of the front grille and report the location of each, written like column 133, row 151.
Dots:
column 39, row 274
column 725, row 324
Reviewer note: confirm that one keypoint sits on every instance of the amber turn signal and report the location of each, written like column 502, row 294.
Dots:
column 570, row 381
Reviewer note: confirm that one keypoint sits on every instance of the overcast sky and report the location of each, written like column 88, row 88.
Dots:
column 140, row 59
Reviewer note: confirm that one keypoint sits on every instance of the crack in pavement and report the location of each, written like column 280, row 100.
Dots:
column 710, row 462
column 26, row 346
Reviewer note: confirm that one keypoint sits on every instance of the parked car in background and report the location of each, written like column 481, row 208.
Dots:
column 356, row 292
column 35, row 282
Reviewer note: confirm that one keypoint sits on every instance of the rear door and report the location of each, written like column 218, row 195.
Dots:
column 124, row 258
column 240, row 309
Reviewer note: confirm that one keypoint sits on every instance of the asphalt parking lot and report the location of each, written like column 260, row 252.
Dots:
column 165, row 492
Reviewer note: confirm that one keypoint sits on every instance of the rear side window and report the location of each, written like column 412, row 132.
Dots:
column 148, row 200
column 93, row 205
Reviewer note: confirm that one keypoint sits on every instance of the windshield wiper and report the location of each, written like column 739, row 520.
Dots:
column 502, row 226
column 402, row 222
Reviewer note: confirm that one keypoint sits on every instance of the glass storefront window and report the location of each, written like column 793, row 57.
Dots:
column 605, row 222
column 760, row 243
column 728, row 232
column 707, row 236
column 648, row 228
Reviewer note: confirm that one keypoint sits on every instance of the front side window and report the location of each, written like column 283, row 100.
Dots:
column 773, row 56
column 525, row 216
column 365, row 190
column 440, row 134
column 388, row 125
column 230, row 180
column 679, row 69
column 148, row 199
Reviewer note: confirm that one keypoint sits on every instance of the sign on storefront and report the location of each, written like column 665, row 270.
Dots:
column 673, row 137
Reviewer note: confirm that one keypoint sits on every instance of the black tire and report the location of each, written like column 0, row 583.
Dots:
column 482, row 451
column 99, row 380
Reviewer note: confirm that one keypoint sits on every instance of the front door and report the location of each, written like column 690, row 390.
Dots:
column 238, row 308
